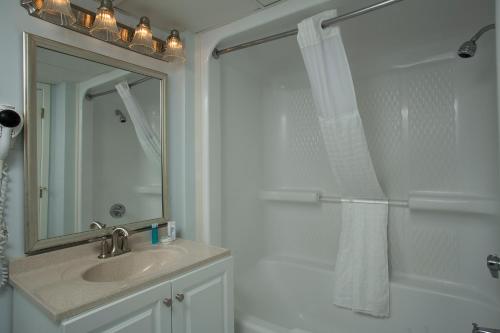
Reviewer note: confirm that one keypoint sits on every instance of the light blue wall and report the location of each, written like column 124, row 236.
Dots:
column 182, row 145
column 189, row 144
column 13, row 21
column 11, row 93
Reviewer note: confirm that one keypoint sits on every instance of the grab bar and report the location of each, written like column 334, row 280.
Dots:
column 451, row 202
column 398, row 203
column 316, row 196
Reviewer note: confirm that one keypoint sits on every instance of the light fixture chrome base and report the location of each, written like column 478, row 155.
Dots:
column 29, row 5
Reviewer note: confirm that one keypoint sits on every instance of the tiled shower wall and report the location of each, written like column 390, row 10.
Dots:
column 421, row 130
column 431, row 123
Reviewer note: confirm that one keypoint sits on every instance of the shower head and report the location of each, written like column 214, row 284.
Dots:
column 121, row 116
column 468, row 48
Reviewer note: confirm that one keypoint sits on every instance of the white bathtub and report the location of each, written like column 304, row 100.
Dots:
column 289, row 295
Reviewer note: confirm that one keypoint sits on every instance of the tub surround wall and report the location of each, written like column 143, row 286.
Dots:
column 14, row 22
column 430, row 120
column 208, row 145
column 497, row 42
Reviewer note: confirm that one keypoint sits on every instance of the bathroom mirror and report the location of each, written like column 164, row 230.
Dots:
column 95, row 144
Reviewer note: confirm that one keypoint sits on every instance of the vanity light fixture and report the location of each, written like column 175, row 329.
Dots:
column 174, row 48
column 143, row 37
column 57, row 11
column 104, row 26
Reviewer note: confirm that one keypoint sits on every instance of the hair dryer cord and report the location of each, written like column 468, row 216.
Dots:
column 4, row 264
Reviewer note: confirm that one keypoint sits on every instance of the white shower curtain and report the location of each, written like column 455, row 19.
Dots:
column 147, row 137
column 362, row 273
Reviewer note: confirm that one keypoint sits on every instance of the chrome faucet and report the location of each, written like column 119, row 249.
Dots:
column 477, row 329
column 119, row 241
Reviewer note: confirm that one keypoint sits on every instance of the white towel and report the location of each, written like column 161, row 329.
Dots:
column 362, row 270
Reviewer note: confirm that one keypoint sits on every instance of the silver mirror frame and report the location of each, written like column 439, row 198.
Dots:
column 32, row 244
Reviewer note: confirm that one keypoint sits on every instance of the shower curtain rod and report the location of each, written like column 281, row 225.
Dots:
column 216, row 52
column 110, row 91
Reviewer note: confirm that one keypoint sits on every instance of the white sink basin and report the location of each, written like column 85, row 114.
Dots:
column 132, row 265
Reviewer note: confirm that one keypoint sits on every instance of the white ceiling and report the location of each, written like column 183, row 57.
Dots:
column 200, row 15
column 191, row 15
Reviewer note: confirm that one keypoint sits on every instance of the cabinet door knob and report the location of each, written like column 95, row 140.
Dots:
column 179, row 297
column 167, row 302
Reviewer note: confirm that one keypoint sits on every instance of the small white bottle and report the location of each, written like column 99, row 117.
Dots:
column 172, row 233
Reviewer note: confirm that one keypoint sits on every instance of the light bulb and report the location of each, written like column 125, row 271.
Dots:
column 58, row 12
column 104, row 26
column 174, row 48
column 143, row 37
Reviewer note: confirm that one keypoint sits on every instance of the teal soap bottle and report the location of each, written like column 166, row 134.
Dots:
column 154, row 233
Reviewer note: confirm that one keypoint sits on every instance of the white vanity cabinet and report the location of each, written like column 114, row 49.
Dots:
column 200, row 301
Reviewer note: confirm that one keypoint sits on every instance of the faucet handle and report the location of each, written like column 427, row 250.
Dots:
column 104, row 249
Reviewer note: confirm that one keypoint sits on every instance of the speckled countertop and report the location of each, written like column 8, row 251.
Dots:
column 62, row 283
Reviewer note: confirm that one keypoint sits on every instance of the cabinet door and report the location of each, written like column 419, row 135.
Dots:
column 144, row 312
column 203, row 300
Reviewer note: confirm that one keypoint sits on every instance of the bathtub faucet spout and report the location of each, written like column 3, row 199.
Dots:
column 493, row 263
column 477, row 329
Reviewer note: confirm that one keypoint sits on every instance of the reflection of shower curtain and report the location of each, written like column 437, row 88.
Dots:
column 362, row 278
column 147, row 137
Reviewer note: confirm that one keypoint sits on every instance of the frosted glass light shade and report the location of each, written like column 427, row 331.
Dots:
column 58, row 12
column 174, row 40
column 174, row 48
column 104, row 26
column 143, row 37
